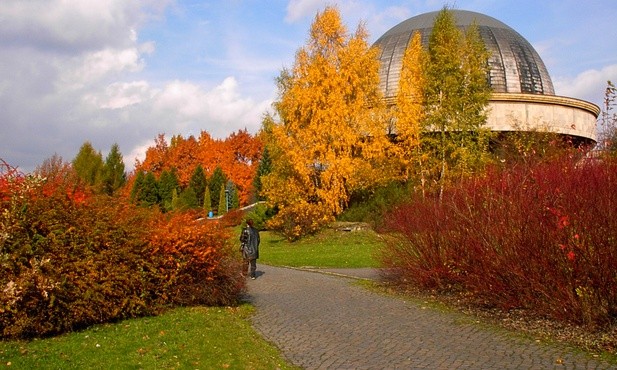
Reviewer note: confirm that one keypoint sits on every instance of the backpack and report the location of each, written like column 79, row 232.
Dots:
column 248, row 248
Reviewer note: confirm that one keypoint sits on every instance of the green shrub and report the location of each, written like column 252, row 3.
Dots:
column 260, row 214
column 371, row 206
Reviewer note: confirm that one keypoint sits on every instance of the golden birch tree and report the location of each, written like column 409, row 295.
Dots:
column 328, row 140
column 409, row 109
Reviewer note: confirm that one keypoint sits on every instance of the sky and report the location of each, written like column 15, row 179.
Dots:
column 124, row 71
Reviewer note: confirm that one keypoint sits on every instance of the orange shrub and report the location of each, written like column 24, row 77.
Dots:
column 69, row 259
column 195, row 265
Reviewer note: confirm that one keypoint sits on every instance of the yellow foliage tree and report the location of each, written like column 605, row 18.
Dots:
column 329, row 139
column 409, row 113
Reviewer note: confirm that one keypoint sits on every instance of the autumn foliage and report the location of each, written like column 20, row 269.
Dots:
column 70, row 259
column 193, row 267
column 237, row 155
column 541, row 237
column 328, row 139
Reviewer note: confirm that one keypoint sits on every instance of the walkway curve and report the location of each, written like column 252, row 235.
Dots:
column 324, row 321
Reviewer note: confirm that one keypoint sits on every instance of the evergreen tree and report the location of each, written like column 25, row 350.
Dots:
column 168, row 182
column 234, row 198
column 137, row 187
column 222, row 205
column 187, row 199
column 217, row 182
column 149, row 194
column 113, row 175
column 207, row 200
column 88, row 164
column 175, row 200
column 264, row 168
column 198, row 183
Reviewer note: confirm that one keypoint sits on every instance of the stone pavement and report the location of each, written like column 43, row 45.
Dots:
column 324, row 321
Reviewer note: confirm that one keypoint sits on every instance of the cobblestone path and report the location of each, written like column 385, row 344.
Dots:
column 322, row 321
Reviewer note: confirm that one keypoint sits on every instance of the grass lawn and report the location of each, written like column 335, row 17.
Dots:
column 330, row 248
column 193, row 337
column 183, row 338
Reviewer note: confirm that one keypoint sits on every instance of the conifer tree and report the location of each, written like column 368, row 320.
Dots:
column 113, row 175
column 264, row 168
column 222, row 205
column 198, row 183
column 187, row 199
column 217, row 182
column 207, row 200
column 175, row 200
column 137, row 187
column 234, row 199
column 149, row 194
column 168, row 182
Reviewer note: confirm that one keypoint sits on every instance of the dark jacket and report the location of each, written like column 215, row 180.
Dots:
column 249, row 243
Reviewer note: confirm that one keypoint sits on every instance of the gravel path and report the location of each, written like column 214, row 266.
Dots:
column 324, row 321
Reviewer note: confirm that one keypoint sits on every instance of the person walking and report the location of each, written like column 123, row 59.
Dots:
column 249, row 246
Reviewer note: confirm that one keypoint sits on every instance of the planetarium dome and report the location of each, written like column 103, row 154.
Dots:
column 523, row 95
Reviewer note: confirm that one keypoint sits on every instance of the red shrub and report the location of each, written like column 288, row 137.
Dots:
column 544, row 238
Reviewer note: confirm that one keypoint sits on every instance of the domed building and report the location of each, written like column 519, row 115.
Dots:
column 523, row 97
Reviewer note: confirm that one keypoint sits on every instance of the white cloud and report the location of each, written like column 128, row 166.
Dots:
column 95, row 66
column 186, row 108
column 119, row 95
column 298, row 9
column 221, row 109
column 588, row 85
column 68, row 25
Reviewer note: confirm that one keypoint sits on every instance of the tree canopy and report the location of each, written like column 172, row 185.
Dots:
column 457, row 93
column 237, row 157
column 327, row 139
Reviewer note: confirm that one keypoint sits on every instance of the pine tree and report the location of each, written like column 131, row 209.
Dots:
column 137, row 187
column 168, row 182
column 222, row 205
column 188, row 199
column 149, row 194
column 264, row 168
column 234, row 199
column 217, row 182
column 175, row 200
column 207, row 200
column 198, row 183
column 113, row 175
